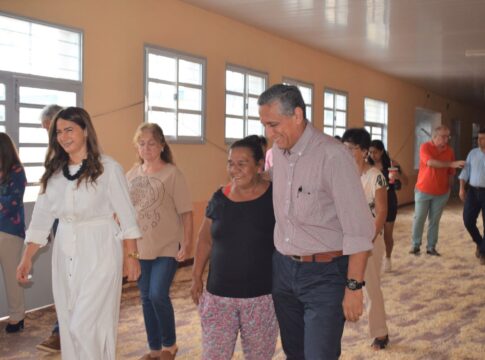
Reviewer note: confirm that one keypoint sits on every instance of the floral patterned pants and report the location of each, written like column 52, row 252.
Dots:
column 222, row 318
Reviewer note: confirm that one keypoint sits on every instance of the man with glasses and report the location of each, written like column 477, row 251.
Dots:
column 436, row 170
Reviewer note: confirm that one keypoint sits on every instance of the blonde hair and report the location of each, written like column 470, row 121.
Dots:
column 157, row 133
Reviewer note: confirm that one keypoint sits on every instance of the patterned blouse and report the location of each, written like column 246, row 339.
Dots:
column 11, row 202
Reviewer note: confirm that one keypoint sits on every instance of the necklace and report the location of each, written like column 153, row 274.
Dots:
column 77, row 175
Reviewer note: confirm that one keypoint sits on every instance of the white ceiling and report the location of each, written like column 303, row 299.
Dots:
column 421, row 41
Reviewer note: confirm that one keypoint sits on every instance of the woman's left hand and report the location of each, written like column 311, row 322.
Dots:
column 131, row 268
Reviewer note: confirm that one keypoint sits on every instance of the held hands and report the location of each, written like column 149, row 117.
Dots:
column 196, row 290
column 353, row 304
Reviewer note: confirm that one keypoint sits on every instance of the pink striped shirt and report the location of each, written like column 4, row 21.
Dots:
column 318, row 199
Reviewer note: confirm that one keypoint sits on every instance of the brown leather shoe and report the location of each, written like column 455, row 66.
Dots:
column 52, row 344
column 167, row 355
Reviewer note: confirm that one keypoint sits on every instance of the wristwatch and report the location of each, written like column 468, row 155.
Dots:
column 134, row 255
column 354, row 284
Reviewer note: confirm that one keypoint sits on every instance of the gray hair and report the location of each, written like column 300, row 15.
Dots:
column 437, row 129
column 288, row 96
column 48, row 112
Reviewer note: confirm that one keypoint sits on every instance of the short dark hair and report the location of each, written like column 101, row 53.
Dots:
column 288, row 96
column 357, row 136
column 481, row 131
column 259, row 139
column 253, row 143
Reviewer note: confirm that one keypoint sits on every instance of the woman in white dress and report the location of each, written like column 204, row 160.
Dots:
column 83, row 189
column 375, row 189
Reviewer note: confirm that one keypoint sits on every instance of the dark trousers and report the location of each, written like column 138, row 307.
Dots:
column 308, row 302
column 474, row 203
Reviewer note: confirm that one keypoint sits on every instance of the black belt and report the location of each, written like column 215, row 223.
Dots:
column 477, row 188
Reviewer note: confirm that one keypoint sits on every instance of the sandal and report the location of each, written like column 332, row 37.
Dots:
column 380, row 344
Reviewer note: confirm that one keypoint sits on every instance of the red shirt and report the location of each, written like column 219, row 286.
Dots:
column 434, row 181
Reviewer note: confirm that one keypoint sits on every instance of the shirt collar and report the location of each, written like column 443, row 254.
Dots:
column 303, row 141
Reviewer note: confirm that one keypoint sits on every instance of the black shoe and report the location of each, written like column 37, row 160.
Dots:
column 432, row 252
column 477, row 252
column 13, row 328
column 415, row 250
column 380, row 344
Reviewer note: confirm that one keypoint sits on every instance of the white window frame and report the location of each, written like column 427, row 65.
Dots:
column 370, row 124
column 60, row 27
column 14, row 81
column 334, row 109
column 299, row 84
column 177, row 55
column 246, row 72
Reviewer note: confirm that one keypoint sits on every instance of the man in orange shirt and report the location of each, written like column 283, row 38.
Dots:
column 436, row 169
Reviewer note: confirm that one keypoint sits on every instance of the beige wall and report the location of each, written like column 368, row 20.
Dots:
column 115, row 32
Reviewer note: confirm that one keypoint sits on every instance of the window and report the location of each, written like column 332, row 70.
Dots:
column 39, row 49
column 49, row 60
column 334, row 112
column 243, row 88
column 174, row 94
column 307, row 93
column 375, row 119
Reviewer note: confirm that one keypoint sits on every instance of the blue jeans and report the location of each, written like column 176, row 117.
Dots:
column 430, row 206
column 308, row 303
column 154, row 284
column 474, row 203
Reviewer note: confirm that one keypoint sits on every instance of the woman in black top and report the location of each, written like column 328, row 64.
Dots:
column 237, row 236
column 379, row 157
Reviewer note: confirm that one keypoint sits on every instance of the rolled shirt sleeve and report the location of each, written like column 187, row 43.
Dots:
column 352, row 209
column 41, row 223
column 465, row 172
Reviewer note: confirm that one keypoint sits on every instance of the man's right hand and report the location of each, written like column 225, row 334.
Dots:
column 458, row 164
